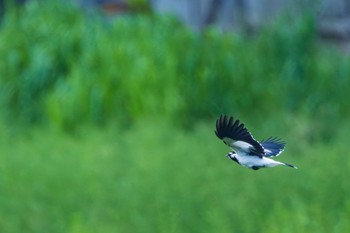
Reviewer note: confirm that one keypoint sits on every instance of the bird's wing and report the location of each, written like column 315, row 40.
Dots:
column 235, row 135
column 273, row 146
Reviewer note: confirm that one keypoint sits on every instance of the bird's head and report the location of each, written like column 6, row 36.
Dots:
column 231, row 155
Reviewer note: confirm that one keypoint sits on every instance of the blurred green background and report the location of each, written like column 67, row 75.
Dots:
column 109, row 126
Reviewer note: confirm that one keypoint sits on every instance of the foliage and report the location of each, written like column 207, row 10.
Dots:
column 142, row 77
column 63, row 67
column 156, row 178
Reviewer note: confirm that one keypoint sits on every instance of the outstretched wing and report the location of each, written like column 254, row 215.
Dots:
column 273, row 146
column 235, row 135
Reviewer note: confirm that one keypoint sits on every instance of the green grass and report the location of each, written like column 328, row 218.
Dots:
column 108, row 126
column 155, row 178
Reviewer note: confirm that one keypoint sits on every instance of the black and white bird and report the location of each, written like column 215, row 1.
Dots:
column 247, row 151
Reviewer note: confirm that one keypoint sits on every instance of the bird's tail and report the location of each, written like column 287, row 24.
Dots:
column 289, row 165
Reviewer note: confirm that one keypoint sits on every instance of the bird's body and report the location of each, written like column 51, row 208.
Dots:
column 254, row 162
column 247, row 151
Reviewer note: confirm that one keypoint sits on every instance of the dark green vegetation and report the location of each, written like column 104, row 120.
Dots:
column 109, row 126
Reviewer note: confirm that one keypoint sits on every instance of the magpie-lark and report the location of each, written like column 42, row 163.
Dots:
column 247, row 151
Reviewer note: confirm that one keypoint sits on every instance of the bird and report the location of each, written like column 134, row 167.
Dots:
column 246, row 151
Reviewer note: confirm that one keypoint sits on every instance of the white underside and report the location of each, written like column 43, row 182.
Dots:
column 250, row 161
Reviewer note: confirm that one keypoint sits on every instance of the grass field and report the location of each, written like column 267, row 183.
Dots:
column 109, row 126
column 156, row 178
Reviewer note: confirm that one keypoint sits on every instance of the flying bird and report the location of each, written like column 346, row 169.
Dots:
column 247, row 151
